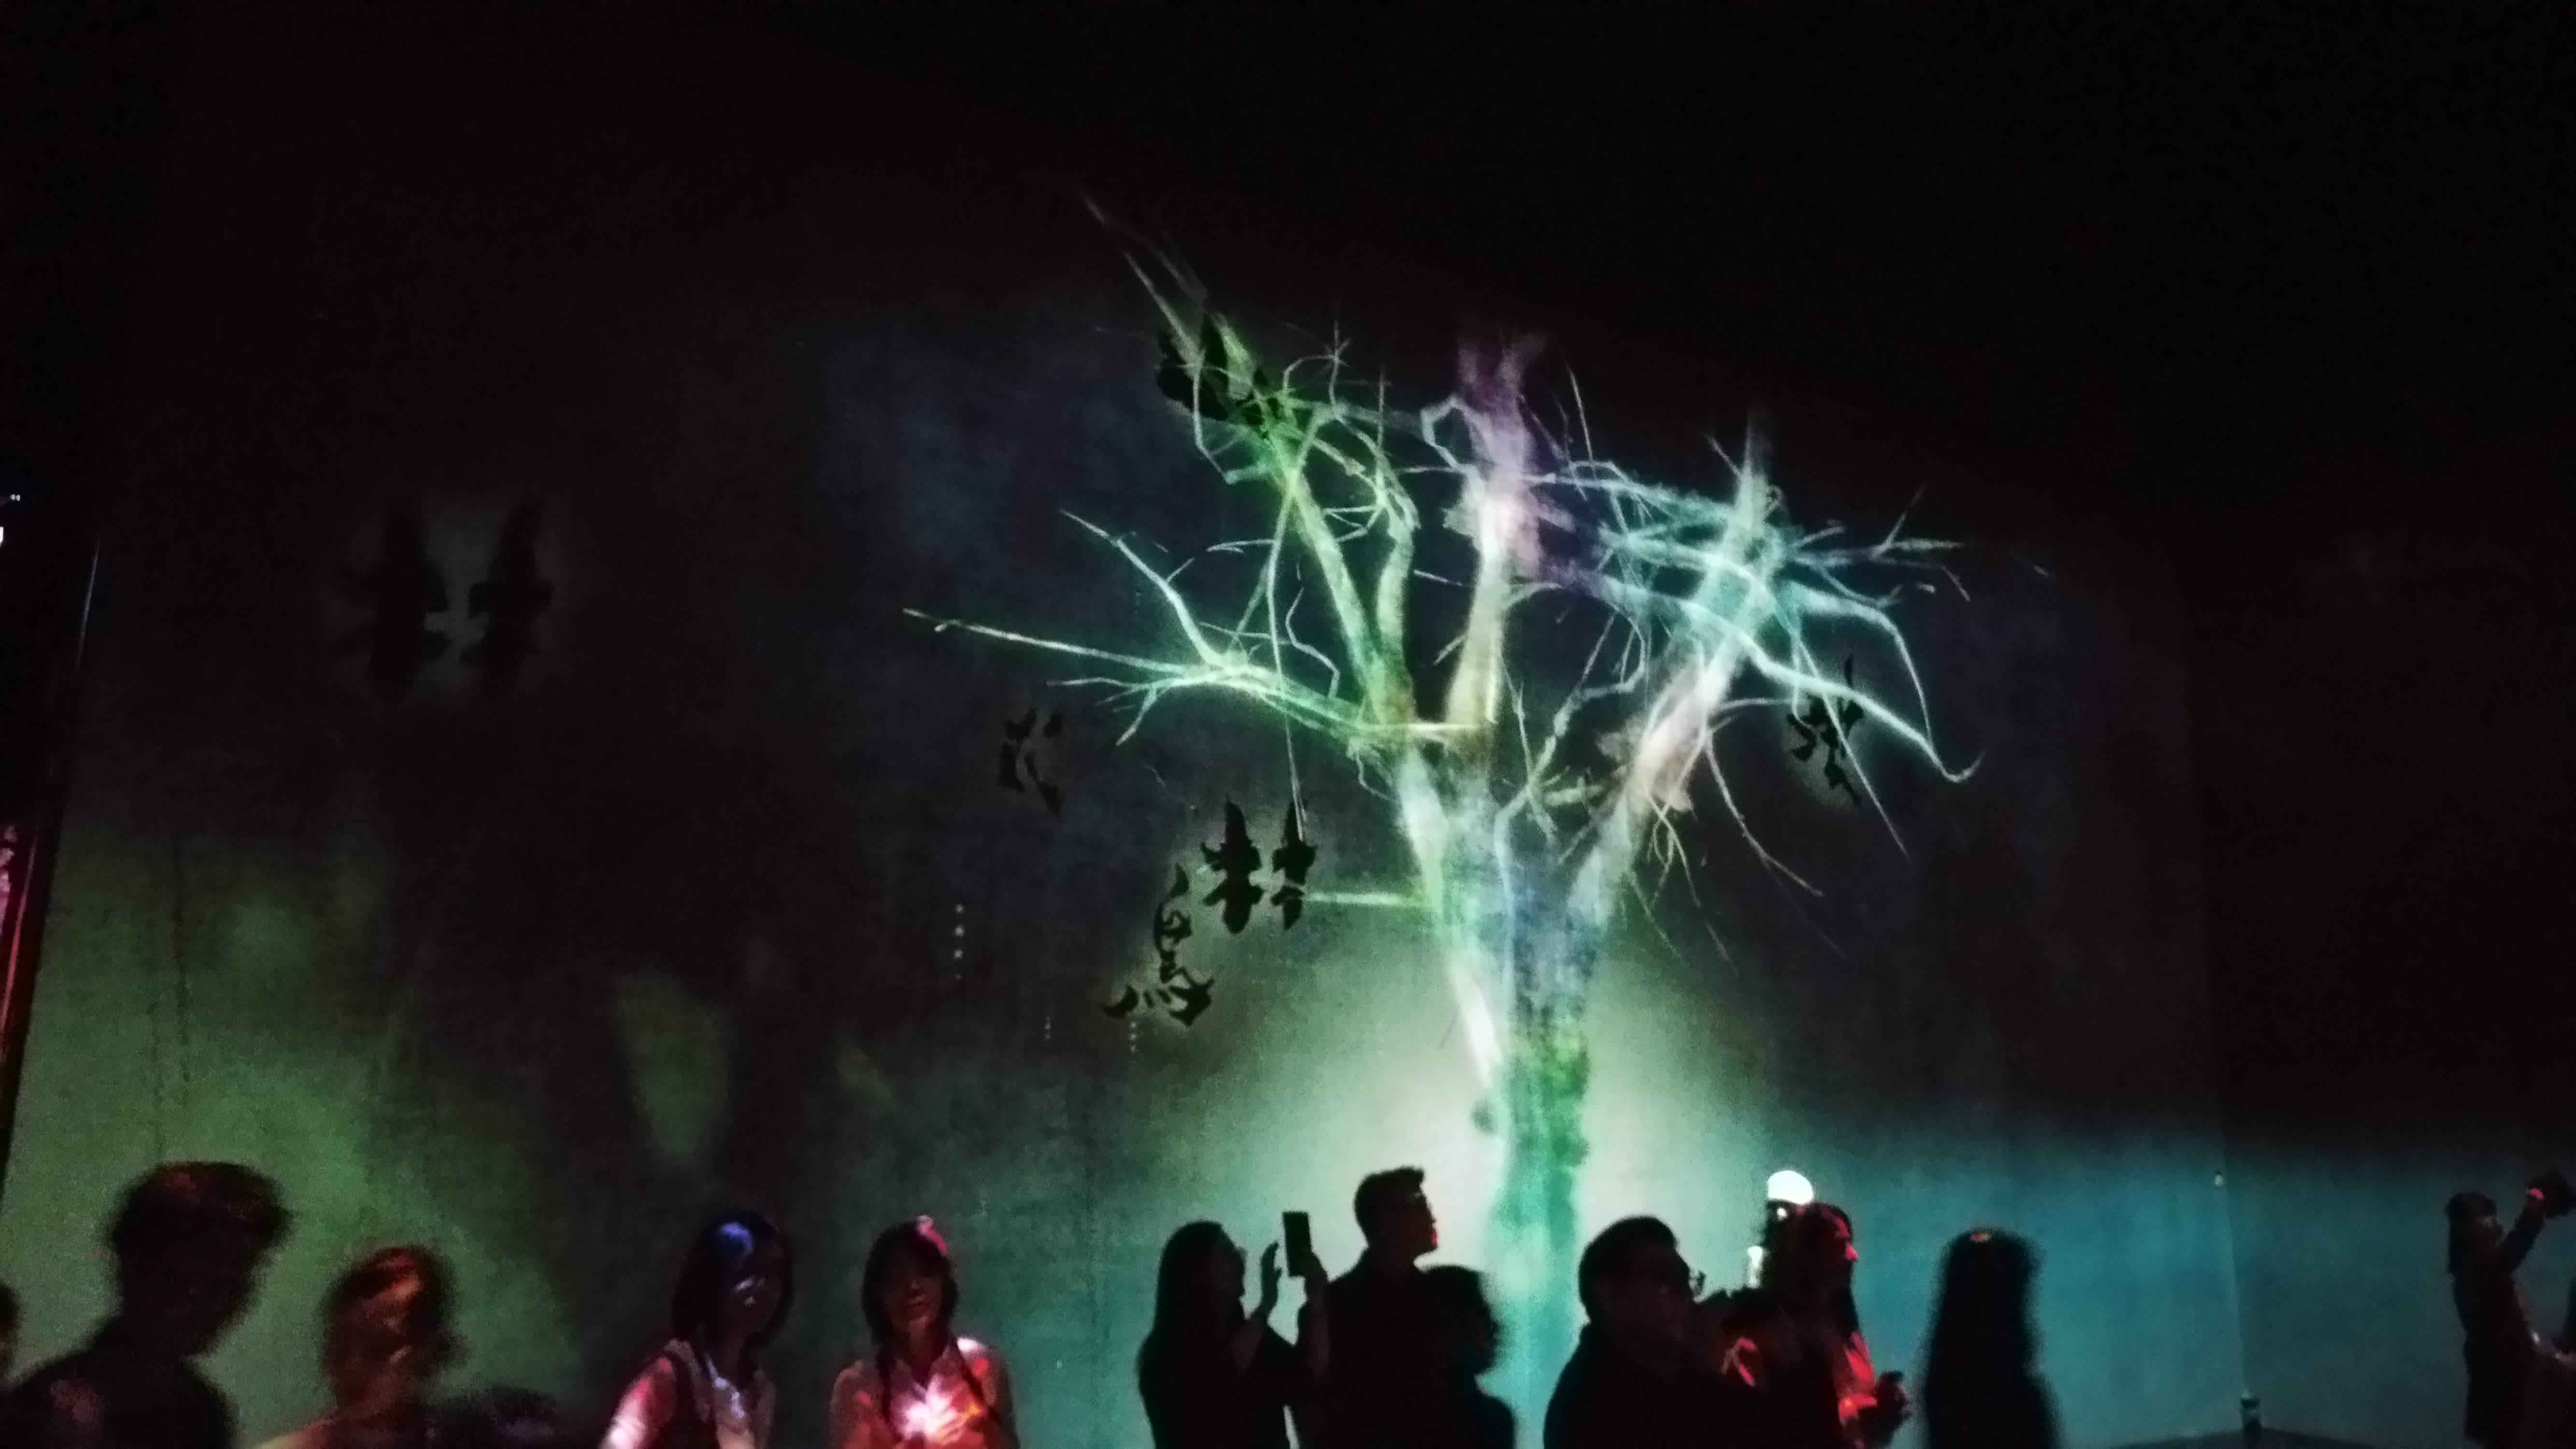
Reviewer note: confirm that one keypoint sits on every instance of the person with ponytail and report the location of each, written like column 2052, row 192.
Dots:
column 706, row 1389
column 922, row 1386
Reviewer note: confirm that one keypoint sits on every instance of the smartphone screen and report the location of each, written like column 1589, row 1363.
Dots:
column 1301, row 1241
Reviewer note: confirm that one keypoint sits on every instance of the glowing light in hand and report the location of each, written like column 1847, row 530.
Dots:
column 933, row 1417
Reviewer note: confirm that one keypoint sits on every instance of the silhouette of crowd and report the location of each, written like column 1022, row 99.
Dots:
column 1390, row 1355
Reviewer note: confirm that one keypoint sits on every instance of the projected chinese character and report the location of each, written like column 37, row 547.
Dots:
column 1829, row 726
column 1234, row 859
column 508, row 601
column 1020, row 756
column 1294, row 857
column 401, row 592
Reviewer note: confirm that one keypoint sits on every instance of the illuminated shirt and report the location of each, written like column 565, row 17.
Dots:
column 679, row 1402
column 963, row 1403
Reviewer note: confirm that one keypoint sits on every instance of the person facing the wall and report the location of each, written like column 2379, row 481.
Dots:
column 1212, row 1375
column 1980, row 1389
column 706, row 1389
column 386, row 1333
column 923, row 1387
column 1631, row 1383
column 1379, row 1392
column 2549, row 1402
column 2483, row 1258
column 189, row 1242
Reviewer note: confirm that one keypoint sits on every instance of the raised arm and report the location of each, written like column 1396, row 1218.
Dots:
column 2526, row 1229
column 1246, row 1339
column 1314, row 1328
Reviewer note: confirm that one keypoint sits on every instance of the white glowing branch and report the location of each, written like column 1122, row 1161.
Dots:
column 1705, row 608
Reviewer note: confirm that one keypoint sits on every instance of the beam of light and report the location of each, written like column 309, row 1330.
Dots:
column 1527, row 792
column 1389, row 900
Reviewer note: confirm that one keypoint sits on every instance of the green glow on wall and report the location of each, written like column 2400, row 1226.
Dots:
column 1545, row 777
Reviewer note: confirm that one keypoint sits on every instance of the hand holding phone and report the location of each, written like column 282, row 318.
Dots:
column 1300, row 1233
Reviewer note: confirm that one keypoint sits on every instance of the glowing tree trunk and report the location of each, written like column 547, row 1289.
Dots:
column 1527, row 802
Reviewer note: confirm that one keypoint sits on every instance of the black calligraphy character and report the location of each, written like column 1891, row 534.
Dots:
column 403, row 590
column 1191, row 997
column 1235, row 858
column 509, row 600
column 1294, row 857
column 1172, row 924
column 1829, row 726
column 1018, row 755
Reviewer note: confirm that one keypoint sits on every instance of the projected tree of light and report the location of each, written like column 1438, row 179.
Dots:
column 1539, row 761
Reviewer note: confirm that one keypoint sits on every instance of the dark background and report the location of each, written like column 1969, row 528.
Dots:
column 2288, row 292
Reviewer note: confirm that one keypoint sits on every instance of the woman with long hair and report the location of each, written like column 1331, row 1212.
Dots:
column 706, row 1389
column 1796, row 1341
column 923, row 1386
column 386, row 1333
column 1212, row 1375
column 1980, row 1388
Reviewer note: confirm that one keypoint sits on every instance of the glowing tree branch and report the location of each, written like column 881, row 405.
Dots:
column 1561, row 753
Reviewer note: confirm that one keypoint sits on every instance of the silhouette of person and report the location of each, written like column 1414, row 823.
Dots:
column 1798, row 1342
column 1379, row 1392
column 924, row 1387
column 8, row 1331
column 706, row 1389
column 1213, row 1376
column 1980, row 1388
column 2549, row 1404
column 189, row 1241
column 386, row 1333
column 2483, row 1257
column 1631, row 1382
column 1465, row 1341
column 505, row 1418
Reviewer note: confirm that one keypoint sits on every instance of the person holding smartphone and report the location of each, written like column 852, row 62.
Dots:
column 2483, row 1258
column 1214, row 1375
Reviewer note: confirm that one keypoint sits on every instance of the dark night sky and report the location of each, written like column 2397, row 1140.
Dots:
column 2159, row 228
